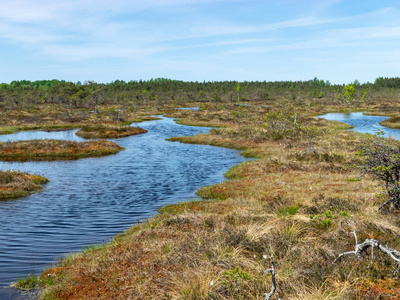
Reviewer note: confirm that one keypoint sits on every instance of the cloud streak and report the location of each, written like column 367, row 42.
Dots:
column 191, row 32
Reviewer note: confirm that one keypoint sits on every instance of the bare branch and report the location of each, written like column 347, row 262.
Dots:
column 360, row 250
column 391, row 200
column 273, row 288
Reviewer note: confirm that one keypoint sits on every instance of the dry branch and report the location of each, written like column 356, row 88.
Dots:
column 273, row 288
column 360, row 250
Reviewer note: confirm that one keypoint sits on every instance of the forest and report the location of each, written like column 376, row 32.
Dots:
column 24, row 93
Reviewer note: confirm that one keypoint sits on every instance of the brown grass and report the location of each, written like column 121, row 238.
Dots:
column 15, row 184
column 103, row 131
column 55, row 150
column 392, row 122
column 297, row 202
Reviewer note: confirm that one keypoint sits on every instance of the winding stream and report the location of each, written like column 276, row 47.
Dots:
column 88, row 201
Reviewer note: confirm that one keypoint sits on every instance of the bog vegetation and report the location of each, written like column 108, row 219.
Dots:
column 311, row 187
column 14, row 184
column 55, row 149
column 104, row 131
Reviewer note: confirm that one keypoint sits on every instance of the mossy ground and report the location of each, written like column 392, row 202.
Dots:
column 15, row 184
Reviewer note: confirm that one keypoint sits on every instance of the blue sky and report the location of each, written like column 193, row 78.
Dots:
column 105, row 40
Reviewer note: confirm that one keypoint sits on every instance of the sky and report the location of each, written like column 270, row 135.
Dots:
column 196, row 40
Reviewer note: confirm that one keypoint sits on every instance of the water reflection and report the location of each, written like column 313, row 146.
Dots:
column 363, row 123
column 88, row 201
column 40, row 134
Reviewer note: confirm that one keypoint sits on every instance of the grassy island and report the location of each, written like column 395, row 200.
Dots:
column 391, row 122
column 15, row 184
column 55, row 150
column 104, row 131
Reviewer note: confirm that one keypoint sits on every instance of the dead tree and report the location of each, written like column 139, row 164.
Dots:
column 360, row 251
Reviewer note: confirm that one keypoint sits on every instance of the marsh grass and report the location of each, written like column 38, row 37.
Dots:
column 15, row 184
column 392, row 122
column 14, row 129
column 27, row 283
column 103, row 131
column 55, row 149
column 294, row 203
column 56, row 117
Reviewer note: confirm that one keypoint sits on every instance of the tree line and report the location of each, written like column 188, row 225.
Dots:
column 162, row 90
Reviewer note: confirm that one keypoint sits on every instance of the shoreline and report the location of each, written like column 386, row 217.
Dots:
column 164, row 236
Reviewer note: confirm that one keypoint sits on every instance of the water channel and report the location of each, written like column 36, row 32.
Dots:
column 363, row 123
column 88, row 201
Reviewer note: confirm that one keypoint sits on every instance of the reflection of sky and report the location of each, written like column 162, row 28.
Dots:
column 189, row 108
column 89, row 200
column 38, row 134
column 363, row 123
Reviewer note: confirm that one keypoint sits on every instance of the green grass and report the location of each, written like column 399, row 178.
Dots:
column 27, row 283
column 288, row 211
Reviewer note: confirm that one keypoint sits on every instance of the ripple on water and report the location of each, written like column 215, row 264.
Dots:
column 89, row 200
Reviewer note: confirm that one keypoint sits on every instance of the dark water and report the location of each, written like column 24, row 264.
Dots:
column 90, row 200
column 363, row 123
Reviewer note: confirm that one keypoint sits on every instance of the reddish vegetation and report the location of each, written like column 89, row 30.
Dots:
column 14, row 184
column 55, row 149
column 381, row 289
column 102, row 131
column 297, row 202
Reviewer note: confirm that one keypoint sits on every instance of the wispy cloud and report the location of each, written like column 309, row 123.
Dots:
column 354, row 37
column 234, row 29
column 194, row 33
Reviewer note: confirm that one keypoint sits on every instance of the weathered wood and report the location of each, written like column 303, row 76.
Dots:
column 360, row 250
column 273, row 288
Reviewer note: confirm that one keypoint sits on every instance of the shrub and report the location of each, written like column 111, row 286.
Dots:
column 381, row 158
